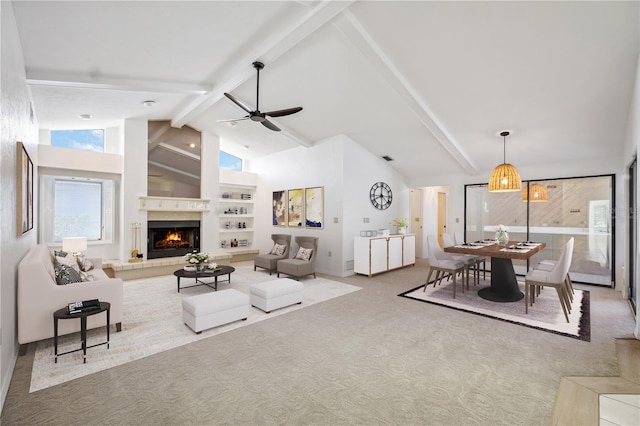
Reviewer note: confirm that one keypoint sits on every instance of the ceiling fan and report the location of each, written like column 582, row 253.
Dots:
column 256, row 115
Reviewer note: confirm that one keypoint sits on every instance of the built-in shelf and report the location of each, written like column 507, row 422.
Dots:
column 236, row 206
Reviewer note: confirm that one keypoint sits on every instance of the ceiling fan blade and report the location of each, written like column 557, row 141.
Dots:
column 238, row 102
column 270, row 125
column 233, row 119
column 283, row 112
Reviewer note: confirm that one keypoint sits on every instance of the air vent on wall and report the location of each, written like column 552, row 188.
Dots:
column 386, row 157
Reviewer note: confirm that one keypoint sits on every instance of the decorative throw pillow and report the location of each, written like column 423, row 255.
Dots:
column 86, row 277
column 84, row 263
column 278, row 249
column 304, row 253
column 65, row 274
column 67, row 259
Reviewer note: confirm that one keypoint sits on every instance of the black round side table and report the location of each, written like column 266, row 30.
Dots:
column 64, row 314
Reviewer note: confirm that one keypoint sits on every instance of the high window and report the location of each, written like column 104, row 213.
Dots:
column 76, row 207
column 87, row 140
column 230, row 162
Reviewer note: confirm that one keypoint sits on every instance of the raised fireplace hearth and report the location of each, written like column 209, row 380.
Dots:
column 170, row 238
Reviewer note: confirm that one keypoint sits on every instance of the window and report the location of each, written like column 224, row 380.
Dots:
column 76, row 207
column 87, row 140
column 578, row 207
column 230, row 162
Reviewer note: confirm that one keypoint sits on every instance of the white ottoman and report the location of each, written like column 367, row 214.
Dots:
column 213, row 309
column 275, row 294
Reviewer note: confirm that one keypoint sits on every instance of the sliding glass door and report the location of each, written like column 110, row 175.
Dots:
column 557, row 210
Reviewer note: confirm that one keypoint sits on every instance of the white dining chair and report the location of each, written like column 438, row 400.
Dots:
column 442, row 263
column 555, row 278
column 459, row 239
column 547, row 265
column 471, row 262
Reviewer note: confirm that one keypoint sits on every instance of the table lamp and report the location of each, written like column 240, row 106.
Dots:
column 74, row 245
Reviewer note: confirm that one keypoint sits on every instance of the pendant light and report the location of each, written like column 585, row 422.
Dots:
column 538, row 193
column 505, row 177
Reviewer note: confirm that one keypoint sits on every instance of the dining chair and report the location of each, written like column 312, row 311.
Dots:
column 459, row 239
column 471, row 262
column 443, row 263
column 555, row 278
column 547, row 265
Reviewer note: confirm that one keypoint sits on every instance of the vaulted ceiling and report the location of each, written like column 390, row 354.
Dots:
column 430, row 84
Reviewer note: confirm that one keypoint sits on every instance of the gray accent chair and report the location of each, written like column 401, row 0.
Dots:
column 297, row 267
column 269, row 261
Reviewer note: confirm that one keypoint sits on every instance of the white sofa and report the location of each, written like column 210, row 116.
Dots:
column 39, row 297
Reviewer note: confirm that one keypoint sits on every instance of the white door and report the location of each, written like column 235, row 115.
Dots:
column 409, row 250
column 395, row 252
column 378, row 253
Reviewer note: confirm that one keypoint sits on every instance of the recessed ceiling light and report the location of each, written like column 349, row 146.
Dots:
column 148, row 103
column 192, row 145
column 85, row 116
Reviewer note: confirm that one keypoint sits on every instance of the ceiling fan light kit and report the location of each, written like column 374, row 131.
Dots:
column 256, row 115
column 505, row 177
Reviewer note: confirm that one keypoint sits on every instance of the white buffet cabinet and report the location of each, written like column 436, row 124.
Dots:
column 373, row 255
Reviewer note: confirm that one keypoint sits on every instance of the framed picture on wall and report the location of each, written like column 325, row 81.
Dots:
column 314, row 207
column 279, row 208
column 24, row 190
column 295, row 207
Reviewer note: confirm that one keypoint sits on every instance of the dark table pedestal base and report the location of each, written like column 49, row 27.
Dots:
column 504, row 285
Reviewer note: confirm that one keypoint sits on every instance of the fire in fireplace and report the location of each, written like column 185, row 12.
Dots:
column 169, row 238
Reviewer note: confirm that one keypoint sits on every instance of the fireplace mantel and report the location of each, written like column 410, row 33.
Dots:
column 173, row 204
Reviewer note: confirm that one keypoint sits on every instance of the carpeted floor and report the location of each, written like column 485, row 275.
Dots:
column 366, row 358
column 546, row 313
column 152, row 323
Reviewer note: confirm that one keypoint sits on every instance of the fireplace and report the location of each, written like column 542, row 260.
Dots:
column 169, row 238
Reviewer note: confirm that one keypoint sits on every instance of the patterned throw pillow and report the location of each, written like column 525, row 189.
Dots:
column 65, row 274
column 84, row 263
column 86, row 277
column 278, row 249
column 304, row 253
column 67, row 259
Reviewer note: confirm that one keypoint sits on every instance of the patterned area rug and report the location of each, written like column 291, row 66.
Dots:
column 545, row 314
column 152, row 323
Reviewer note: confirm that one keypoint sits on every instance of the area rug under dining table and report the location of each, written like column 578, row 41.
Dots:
column 152, row 323
column 545, row 314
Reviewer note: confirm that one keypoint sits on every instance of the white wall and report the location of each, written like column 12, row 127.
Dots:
column 134, row 184
column 209, row 189
column 16, row 124
column 347, row 172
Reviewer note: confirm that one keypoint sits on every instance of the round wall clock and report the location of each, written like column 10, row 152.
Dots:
column 380, row 195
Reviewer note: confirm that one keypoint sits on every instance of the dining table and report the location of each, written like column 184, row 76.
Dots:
column 504, row 284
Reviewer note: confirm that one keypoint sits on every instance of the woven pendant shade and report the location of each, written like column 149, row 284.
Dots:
column 505, row 177
column 538, row 193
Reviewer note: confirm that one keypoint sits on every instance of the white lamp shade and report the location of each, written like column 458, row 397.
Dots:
column 74, row 244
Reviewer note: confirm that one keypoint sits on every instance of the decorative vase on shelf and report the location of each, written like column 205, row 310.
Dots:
column 402, row 230
column 502, row 237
